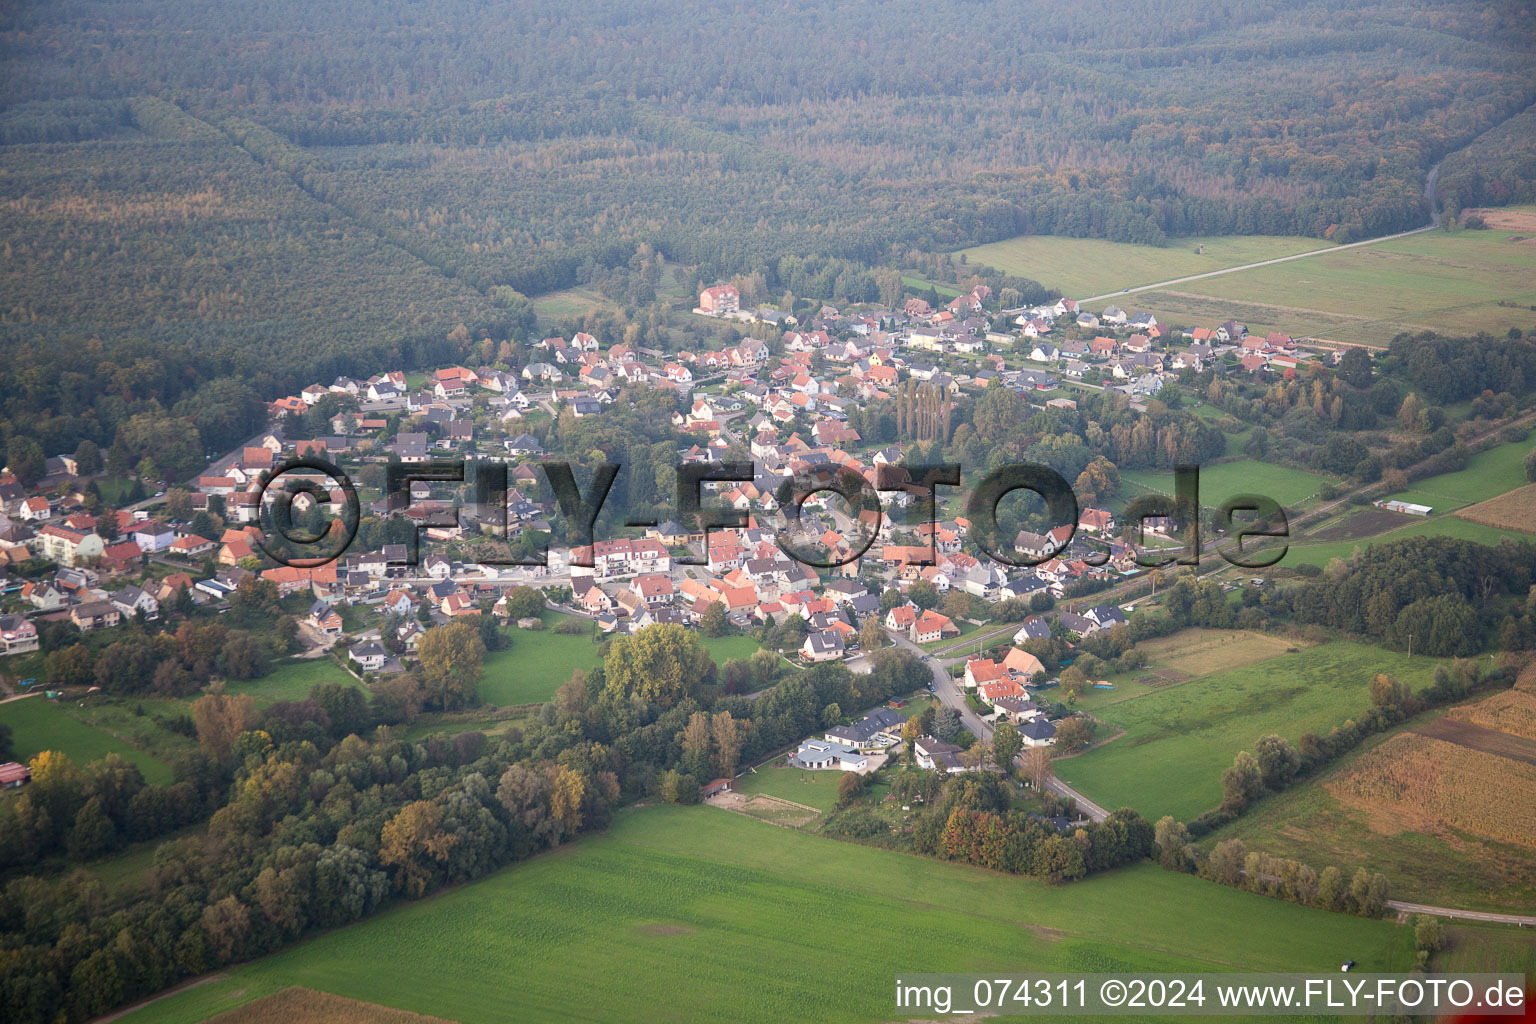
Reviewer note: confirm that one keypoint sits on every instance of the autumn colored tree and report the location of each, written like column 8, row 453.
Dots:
column 567, row 793
column 1039, row 768
column 220, row 718
column 661, row 664
column 452, row 658
column 414, row 843
column 729, row 734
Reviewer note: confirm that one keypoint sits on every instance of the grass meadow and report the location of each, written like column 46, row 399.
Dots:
column 1320, row 554
column 1093, row 266
column 699, row 914
column 1457, row 283
column 538, row 661
column 1225, row 480
column 1181, row 736
column 292, row 680
column 39, row 725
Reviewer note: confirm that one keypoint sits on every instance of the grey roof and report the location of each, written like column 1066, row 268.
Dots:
column 869, row 725
column 1039, row 729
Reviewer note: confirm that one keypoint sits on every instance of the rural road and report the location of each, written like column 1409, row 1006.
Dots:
column 1522, row 920
column 948, row 691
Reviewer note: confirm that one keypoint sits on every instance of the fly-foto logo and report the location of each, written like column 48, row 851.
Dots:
column 313, row 483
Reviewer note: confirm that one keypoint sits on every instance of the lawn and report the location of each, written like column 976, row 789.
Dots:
column 292, row 680
column 730, row 647
column 1180, row 737
column 41, row 725
column 813, row 789
column 1225, row 480
column 532, row 668
column 1454, row 869
column 1452, row 283
column 699, row 914
column 538, row 661
column 1092, row 266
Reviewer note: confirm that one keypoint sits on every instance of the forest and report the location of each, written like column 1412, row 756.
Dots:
column 343, row 191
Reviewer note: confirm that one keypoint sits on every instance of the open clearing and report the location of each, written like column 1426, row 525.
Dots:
column 1449, row 282
column 293, row 679
column 699, row 914
column 1226, row 480
column 1180, row 738
column 1092, row 266
column 1515, row 510
column 1197, row 652
column 813, row 789
column 537, row 662
column 40, row 725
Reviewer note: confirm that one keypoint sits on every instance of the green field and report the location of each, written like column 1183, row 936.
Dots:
column 814, row 789
column 729, row 647
column 1307, row 823
column 1224, row 480
column 292, row 680
column 572, row 302
column 698, row 914
column 1179, row 738
column 1487, row 474
column 538, row 661
column 1093, row 266
column 1437, row 526
column 40, row 725
column 1451, row 283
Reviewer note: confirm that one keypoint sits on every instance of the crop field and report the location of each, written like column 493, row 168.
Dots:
column 698, row 914
column 306, row 1006
column 1487, row 947
column 1443, row 868
column 1512, row 712
column 1225, row 480
column 1514, row 510
column 1418, row 783
column 1452, row 283
column 1093, row 266
column 40, row 725
column 1179, row 739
